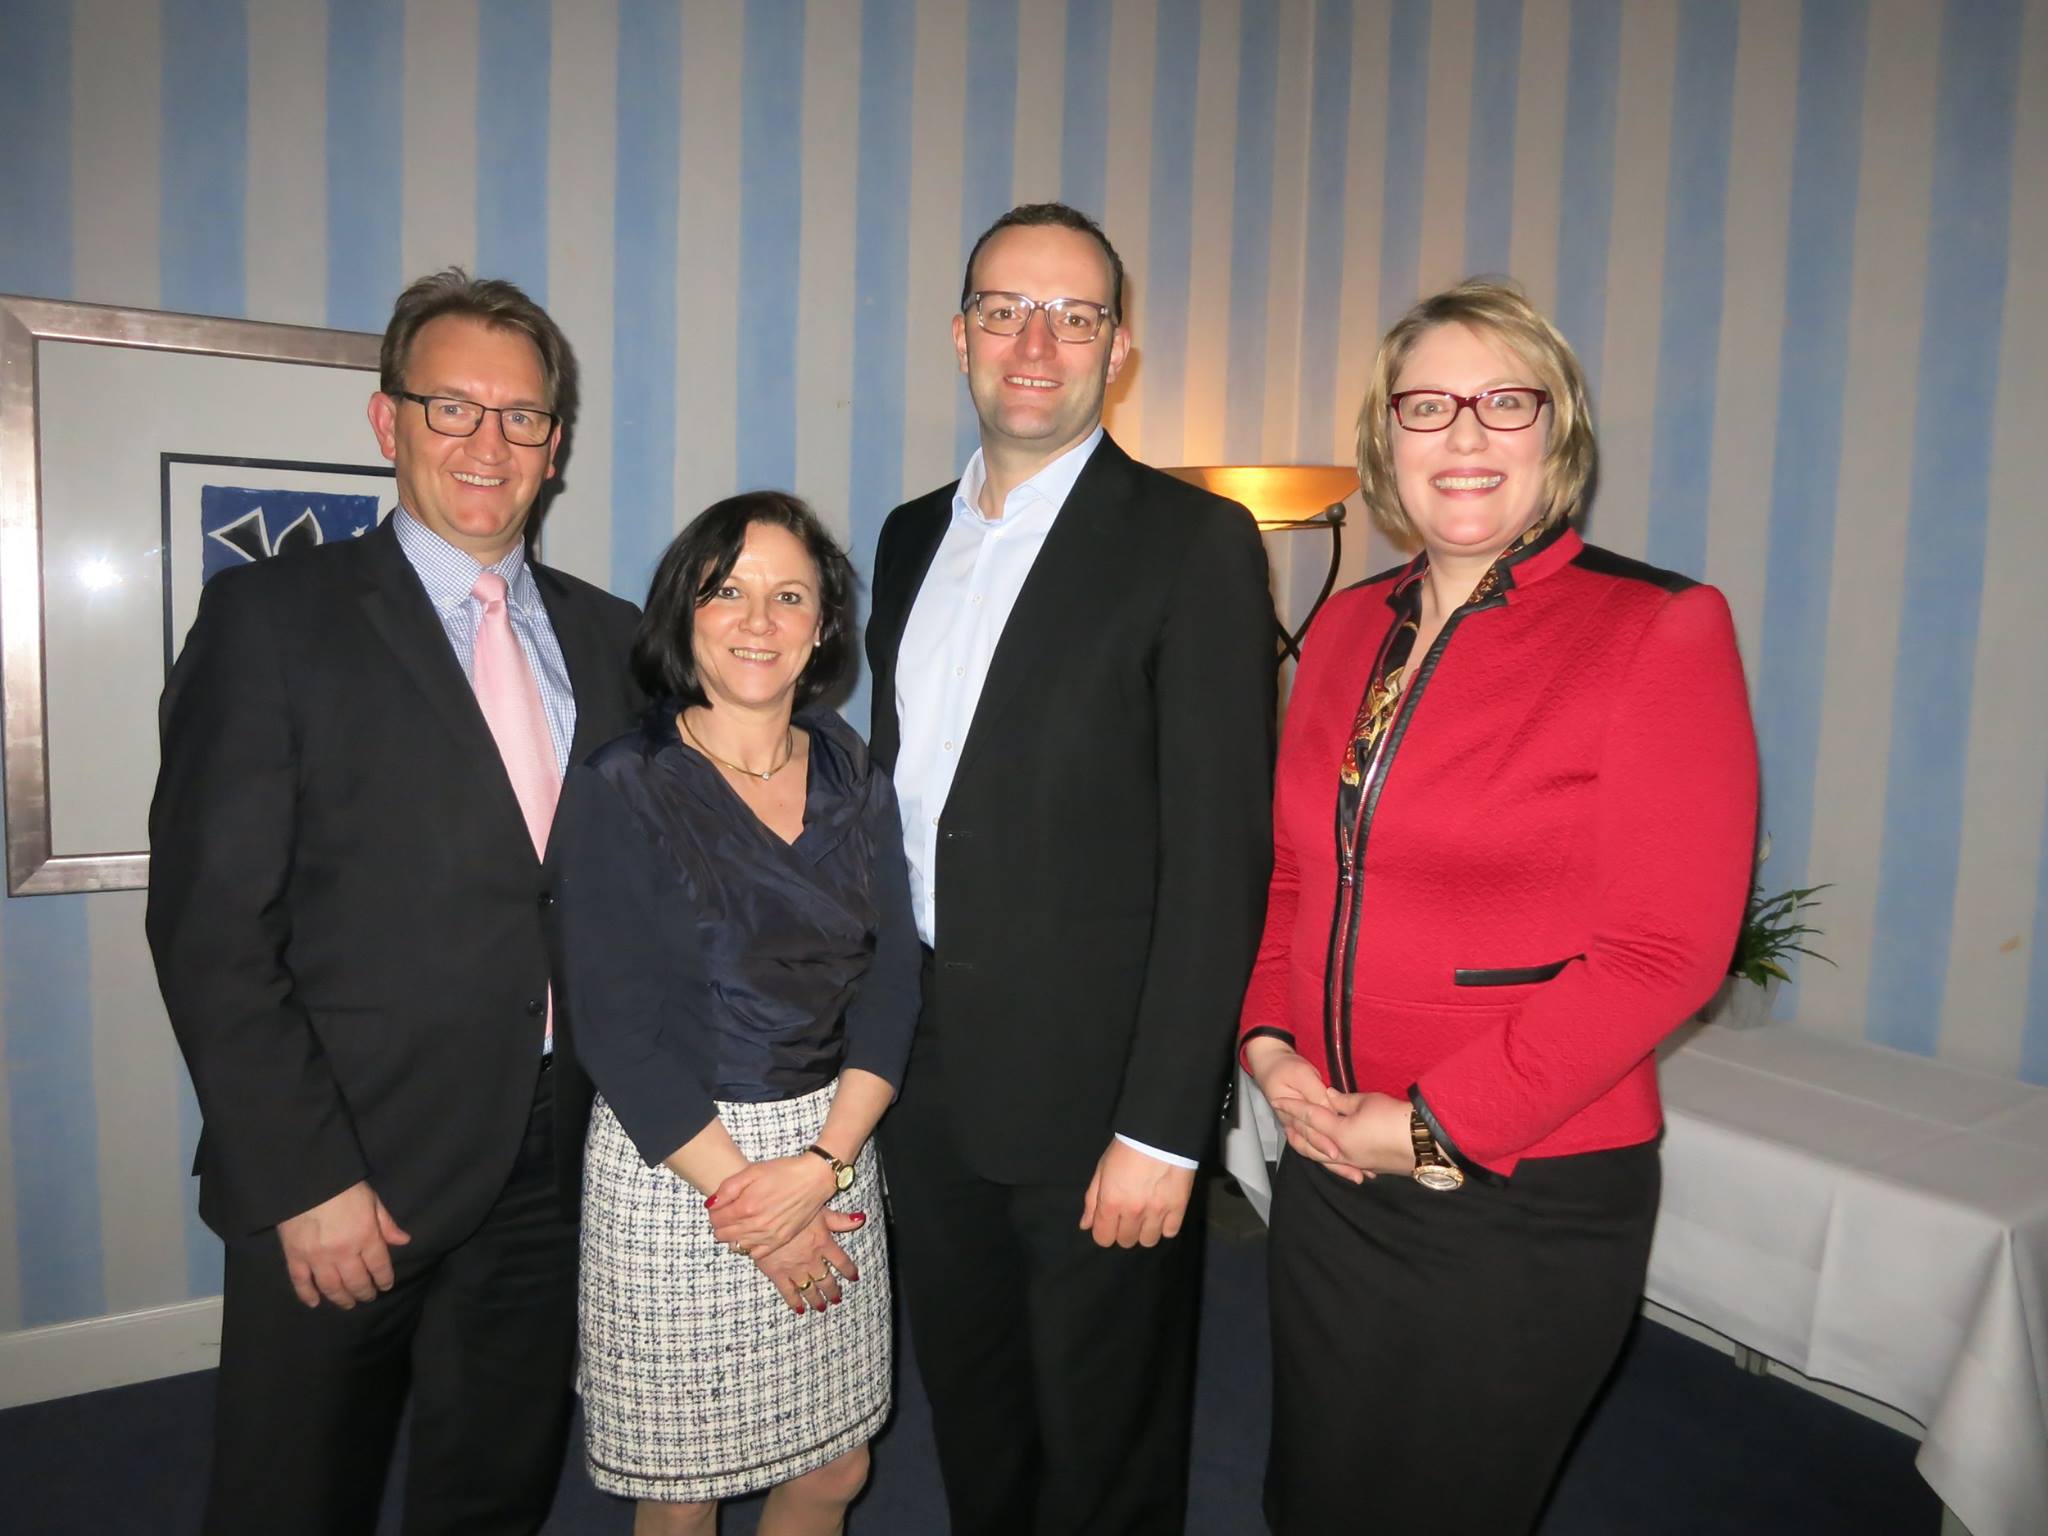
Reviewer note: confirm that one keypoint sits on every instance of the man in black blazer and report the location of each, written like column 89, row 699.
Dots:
column 1073, row 684
column 346, row 906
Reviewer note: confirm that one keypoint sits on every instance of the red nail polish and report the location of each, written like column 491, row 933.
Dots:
column 860, row 1215
column 710, row 1201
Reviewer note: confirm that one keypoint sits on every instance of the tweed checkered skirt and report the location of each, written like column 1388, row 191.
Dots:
column 698, row 1381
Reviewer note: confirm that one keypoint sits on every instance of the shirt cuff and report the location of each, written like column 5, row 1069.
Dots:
column 1165, row 1157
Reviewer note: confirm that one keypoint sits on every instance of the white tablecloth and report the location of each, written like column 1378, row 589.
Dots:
column 1879, row 1221
column 1870, row 1218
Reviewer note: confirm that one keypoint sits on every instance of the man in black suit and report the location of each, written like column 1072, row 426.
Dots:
column 1073, row 675
column 361, row 748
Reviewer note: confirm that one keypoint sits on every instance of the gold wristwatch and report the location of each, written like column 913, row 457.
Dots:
column 1433, row 1169
column 842, row 1173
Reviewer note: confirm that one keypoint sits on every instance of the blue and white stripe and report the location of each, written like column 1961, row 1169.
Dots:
column 1800, row 247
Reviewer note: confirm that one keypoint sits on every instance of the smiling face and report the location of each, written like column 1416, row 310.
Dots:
column 1469, row 491
column 753, row 636
column 1037, row 397
column 476, row 492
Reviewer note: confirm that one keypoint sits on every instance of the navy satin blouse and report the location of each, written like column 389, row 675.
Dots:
column 701, row 957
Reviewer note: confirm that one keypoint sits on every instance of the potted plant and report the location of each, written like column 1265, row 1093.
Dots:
column 1773, row 927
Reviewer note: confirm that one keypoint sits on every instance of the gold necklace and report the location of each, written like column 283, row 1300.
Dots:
column 788, row 752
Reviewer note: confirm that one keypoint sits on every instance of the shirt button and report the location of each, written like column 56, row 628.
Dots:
column 935, row 821
column 977, row 598
column 959, row 671
column 949, row 746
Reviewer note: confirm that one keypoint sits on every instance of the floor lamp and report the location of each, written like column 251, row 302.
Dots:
column 1286, row 498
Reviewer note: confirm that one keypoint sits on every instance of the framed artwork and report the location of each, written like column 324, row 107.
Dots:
column 221, row 512
column 140, row 453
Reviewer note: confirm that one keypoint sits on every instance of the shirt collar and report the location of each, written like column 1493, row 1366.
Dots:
column 1537, row 554
column 1049, row 488
column 449, row 574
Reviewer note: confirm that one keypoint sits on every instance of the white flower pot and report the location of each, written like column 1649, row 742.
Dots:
column 1740, row 1004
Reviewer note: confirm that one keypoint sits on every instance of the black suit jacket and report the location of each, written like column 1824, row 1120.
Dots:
column 345, row 906
column 1104, row 850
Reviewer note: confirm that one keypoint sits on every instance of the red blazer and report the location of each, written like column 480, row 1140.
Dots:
column 1553, row 860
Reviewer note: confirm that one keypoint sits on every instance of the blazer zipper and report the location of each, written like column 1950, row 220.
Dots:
column 1343, row 954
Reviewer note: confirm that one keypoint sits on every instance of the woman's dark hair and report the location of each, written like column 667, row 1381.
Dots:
column 700, row 558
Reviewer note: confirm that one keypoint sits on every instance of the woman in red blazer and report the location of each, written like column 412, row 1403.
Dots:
column 1515, row 807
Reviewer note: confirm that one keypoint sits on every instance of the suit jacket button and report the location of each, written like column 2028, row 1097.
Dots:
column 535, row 1007
column 547, row 899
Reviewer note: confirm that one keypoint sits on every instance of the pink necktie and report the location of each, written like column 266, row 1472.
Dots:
column 511, row 704
column 506, row 692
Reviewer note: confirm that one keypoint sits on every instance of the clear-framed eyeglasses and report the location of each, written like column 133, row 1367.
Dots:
column 522, row 425
column 1498, row 410
column 1006, row 314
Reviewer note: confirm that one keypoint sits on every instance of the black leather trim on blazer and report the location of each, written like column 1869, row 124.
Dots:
column 1471, row 1169
column 1265, row 1031
column 1608, row 563
column 1511, row 975
column 1344, row 941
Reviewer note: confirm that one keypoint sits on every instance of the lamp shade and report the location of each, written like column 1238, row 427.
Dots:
column 1277, row 494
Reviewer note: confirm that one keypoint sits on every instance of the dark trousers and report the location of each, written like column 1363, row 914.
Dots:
column 483, row 1337
column 1434, row 1353
column 1060, row 1374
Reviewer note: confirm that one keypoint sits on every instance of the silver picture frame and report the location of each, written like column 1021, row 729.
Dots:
column 77, row 459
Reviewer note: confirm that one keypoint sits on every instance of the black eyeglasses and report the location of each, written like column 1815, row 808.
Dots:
column 523, row 426
column 1498, row 410
column 1006, row 314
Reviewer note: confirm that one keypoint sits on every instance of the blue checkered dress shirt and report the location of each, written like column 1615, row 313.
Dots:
column 449, row 574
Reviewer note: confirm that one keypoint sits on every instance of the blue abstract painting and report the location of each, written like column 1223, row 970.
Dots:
column 241, row 525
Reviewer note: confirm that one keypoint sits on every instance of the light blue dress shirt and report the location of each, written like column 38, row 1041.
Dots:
column 949, row 640
column 449, row 574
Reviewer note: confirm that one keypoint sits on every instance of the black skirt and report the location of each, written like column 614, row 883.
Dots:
column 1433, row 1353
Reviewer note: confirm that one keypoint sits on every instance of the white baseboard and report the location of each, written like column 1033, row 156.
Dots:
column 64, row 1359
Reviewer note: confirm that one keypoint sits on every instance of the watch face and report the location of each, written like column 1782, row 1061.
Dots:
column 843, row 1177
column 1439, row 1176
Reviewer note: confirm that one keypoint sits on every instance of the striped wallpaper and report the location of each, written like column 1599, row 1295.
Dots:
column 1801, row 248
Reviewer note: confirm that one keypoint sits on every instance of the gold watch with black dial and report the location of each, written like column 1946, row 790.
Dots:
column 1433, row 1167
column 842, row 1173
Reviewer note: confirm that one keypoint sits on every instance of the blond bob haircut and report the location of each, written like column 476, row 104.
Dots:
column 1495, row 309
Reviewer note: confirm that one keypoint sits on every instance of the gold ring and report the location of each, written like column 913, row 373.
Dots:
column 804, row 1284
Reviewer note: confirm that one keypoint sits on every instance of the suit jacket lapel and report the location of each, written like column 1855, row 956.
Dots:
column 585, row 655
column 397, row 608
column 895, row 595
column 1046, row 601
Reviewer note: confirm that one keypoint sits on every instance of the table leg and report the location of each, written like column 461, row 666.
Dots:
column 1752, row 1362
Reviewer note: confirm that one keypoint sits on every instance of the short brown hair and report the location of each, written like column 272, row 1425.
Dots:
column 1059, row 216
column 1496, row 309
column 497, row 303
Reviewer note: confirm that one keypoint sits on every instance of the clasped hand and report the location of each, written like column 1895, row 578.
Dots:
column 1356, row 1136
column 341, row 1248
column 811, row 1270
column 766, row 1204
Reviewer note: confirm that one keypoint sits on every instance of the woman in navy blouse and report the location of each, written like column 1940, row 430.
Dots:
column 740, row 965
